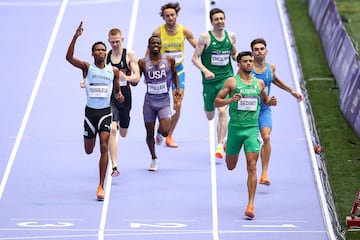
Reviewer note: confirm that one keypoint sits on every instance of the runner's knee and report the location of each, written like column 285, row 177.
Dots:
column 266, row 138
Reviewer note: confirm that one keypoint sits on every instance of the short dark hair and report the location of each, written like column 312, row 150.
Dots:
column 93, row 46
column 242, row 54
column 153, row 36
column 215, row 11
column 256, row 41
column 175, row 6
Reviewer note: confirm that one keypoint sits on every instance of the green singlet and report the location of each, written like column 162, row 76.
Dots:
column 244, row 114
column 217, row 58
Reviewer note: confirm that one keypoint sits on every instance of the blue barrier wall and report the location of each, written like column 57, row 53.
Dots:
column 341, row 56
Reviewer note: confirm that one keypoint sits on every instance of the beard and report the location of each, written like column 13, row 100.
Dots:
column 247, row 71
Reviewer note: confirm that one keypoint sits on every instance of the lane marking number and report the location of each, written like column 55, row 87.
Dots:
column 35, row 224
column 158, row 225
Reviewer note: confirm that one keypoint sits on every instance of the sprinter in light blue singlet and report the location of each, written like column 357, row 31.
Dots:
column 266, row 72
column 100, row 79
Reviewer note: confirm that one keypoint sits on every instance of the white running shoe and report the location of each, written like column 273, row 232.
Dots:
column 154, row 165
column 159, row 139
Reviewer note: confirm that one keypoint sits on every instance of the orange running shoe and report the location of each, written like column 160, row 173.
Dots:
column 264, row 180
column 100, row 193
column 170, row 142
column 249, row 212
column 219, row 151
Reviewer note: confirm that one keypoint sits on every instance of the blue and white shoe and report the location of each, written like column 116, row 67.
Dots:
column 159, row 139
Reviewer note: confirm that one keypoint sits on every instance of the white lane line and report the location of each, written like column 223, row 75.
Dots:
column 158, row 234
column 134, row 14
column 321, row 192
column 33, row 96
column 105, row 208
column 46, row 4
column 214, row 204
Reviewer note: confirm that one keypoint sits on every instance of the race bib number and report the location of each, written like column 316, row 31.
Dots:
column 98, row 91
column 177, row 55
column 219, row 59
column 157, row 88
column 248, row 104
